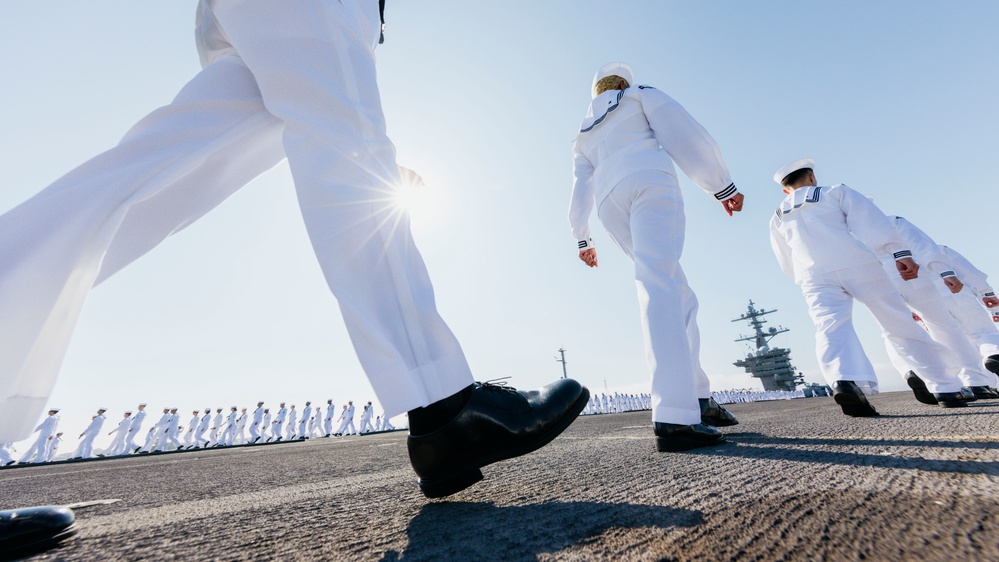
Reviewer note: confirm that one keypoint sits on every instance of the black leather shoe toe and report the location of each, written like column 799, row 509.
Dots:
column 852, row 400
column 496, row 423
column 951, row 400
column 919, row 389
column 713, row 414
column 671, row 437
column 992, row 363
column 31, row 530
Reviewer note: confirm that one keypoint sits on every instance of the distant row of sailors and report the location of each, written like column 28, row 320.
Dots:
column 204, row 430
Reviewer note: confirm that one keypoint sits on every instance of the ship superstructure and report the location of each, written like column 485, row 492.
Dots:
column 771, row 365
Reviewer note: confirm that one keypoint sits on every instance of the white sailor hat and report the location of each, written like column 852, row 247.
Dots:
column 53, row 409
column 621, row 69
column 128, row 412
column 102, row 409
column 789, row 169
column 142, row 404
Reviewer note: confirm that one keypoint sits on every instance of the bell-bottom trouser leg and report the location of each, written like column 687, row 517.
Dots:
column 643, row 214
column 926, row 299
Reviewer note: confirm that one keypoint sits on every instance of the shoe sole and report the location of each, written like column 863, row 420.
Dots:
column 465, row 477
column 678, row 443
column 992, row 365
column 718, row 423
column 854, row 406
column 954, row 404
column 920, row 391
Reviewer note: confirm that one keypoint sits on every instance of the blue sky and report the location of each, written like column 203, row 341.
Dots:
column 896, row 99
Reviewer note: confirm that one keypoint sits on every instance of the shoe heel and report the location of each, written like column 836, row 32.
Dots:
column 450, row 485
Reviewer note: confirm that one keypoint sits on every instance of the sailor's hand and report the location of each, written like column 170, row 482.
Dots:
column 589, row 256
column 907, row 268
column 991, row 302
column 954, row 284
column 734, row 204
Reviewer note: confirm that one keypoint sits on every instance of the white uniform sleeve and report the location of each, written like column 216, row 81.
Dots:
column 868, row 224
column 925, row 251
column 970, row 275
column 582, row 200
column 781, row 249
column 688, row 143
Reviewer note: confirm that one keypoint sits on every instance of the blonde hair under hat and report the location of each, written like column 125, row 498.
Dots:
column 621, row 69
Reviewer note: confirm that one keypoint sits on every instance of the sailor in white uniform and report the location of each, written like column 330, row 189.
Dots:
column 120, row 433
column 52, row 447
column 172, row 433
column 924, row 297
column 133, row 429
column 45, row 430
column 292, row 420
column 623, row 167
column 255, row 427
column 348, row 420
column 265, row 424
column 303, row 424
column 278, row 424
column 192, row 428
column 291, row 79
column 85, row 449
column 215, row 429
column 199, row 435
column 328, row 418
column 966, row 306
column 157, row 433
column 239, row 435
column 366, row 414
column 827, row 240
column 229, row 428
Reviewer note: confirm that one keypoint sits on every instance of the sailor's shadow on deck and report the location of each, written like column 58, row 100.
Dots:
column 759, row 446
column 483, row 531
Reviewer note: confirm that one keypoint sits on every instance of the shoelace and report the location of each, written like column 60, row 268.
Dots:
column 496, row 385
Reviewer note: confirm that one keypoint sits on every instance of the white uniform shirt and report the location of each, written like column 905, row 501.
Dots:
column 974, row 278
column 137, row 421
column 925, row 251
column 823, row 229
column 95, row 426
column 48, row 426
column 635, row 130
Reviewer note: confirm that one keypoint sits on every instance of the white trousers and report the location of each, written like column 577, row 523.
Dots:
column 976, row 322
column 643, row 214
column 36, row 453
column 925, row 297
column 830, row 299
column 117, row 445
column 311, row 95
column 130, row 440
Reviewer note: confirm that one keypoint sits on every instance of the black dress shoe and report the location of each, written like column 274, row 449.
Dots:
column 28, row 531
column 992, row 363
column 671, row 437
column 919, row 389
column 994, row 391
column 713, row 414
column 967, row 394
column 496, row 423
column 982, row 393
column 951, row 400
column 849, row 397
